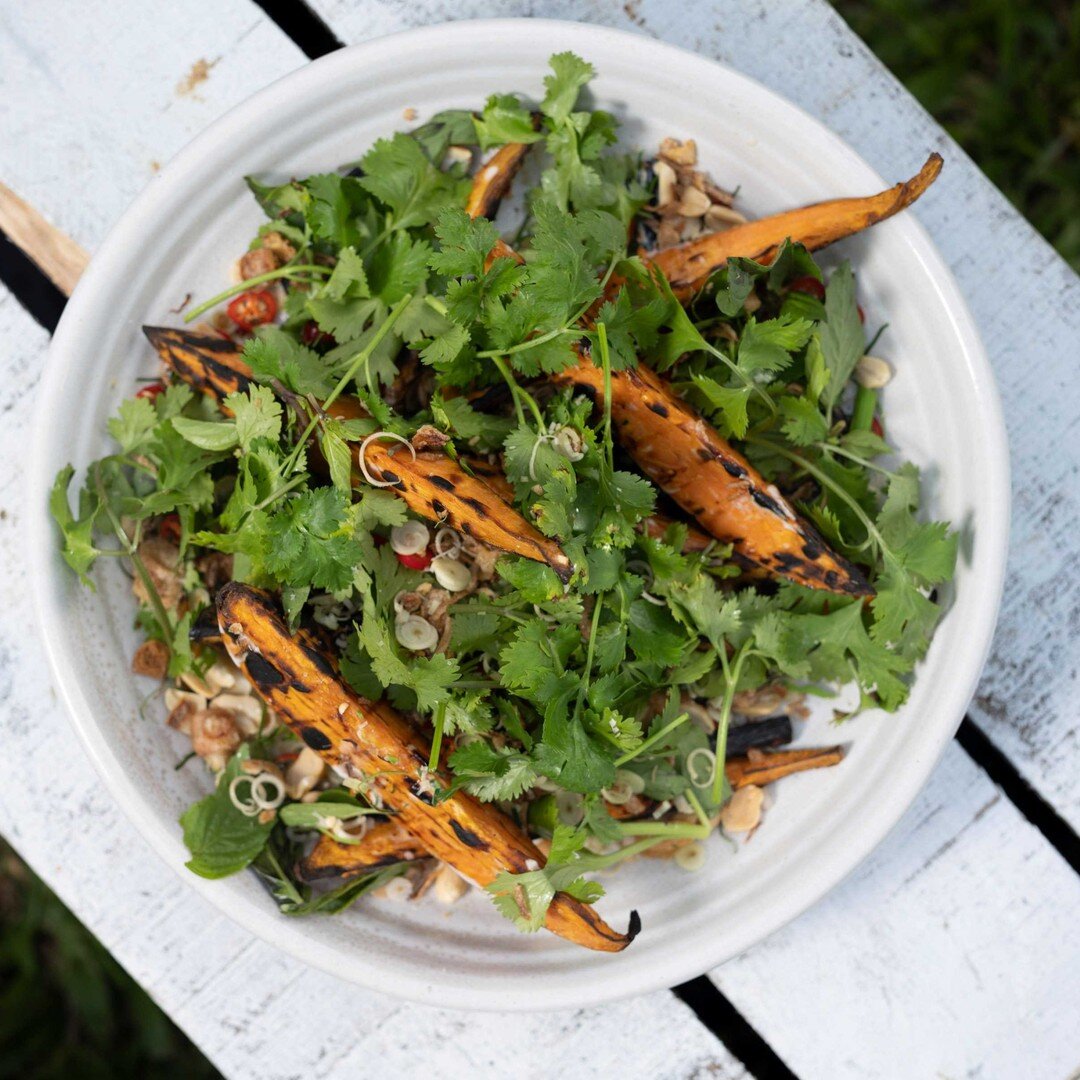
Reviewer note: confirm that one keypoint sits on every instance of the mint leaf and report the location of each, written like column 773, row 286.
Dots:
column 221, row 838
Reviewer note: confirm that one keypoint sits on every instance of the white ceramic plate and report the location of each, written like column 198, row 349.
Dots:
column 183, row 234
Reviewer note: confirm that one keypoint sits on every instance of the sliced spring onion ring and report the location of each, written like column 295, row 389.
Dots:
column 361, row 460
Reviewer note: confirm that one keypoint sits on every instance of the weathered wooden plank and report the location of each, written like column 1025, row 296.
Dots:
column 107, row 94
column 804, row 50
column 951, row 951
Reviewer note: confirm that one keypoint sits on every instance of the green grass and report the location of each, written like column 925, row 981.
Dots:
column 67, row 1009
column 1003, row 76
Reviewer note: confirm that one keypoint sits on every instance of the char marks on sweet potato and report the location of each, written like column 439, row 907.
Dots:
column 688, row 459
column 384, row 844
column 434, row 486
column 377, row 746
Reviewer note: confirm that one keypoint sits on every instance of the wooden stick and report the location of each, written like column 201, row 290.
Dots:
column 54, row 252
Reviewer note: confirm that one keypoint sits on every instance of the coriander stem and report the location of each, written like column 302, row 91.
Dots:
column 725, row 718
column 862, row 415
column 672, row 829
column 829, row 449
column 259, row 279
column 601, row 862
column 354, row 365
column 436, row 304
column 519, row 395
column 605, row 362
column 823, row 479
column 586, row 677
column 695, row 802
column 652, row 740
column 436, row 740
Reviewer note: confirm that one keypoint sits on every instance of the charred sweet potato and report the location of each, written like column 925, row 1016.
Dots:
column 713, row 482
column 493, row 179
column 432, row 485
column 384, row 844
column 688, row 266
column 377, row 746
column 760, row 767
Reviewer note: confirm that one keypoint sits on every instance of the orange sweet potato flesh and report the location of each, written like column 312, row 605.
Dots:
column 384, row 844
column 432, row 485
column 376, row 745
column 689, row 460
column 688, row 266
column 760, row 767
column 493, row 179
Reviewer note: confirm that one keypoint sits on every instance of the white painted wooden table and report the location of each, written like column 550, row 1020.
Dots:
column 953, row 951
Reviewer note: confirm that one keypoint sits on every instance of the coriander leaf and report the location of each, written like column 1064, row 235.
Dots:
column 273, row 354
column 132, row 427
column 569, row 73
column 400, row 175
column 803, row 423
column 257, row 415
column 767, row 346
column 430, row 678
column 335, row 451
column 78, row 532
column 309, row 541
column 348, row 279
column 206, row 434
column 492, row 773
column 536, row 581
column 504, row 120
column 727, row 401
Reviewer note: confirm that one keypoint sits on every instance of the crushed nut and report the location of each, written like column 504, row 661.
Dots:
column 214, row 736
column 151, row 659
column 743, row 810
column 679, row 153
column 260, row 261
column 872, row 373
column 282, row 249
column 449, row 886
column 182, row 706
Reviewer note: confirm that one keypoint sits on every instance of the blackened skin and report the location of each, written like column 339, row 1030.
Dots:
column 205, row 627
column 659, row 408
column 319, row 660
column 312, row 736
column 773, row 731
column 467, row 836
column 442, row 482
column 263, row 671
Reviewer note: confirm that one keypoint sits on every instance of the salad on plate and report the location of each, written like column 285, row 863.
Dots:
column 497, row 551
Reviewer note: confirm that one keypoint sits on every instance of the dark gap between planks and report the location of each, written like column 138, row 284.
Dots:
column 1054, row 828
column 304, row 26
column 714, row 1010
column 22, row 278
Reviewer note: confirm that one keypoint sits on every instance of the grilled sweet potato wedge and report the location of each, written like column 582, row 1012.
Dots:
column 432, row 485
column 383, row 844
column 688, row 266
column 493, row 179
column 713, row 482
column 761, row 767
column 377, row 746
